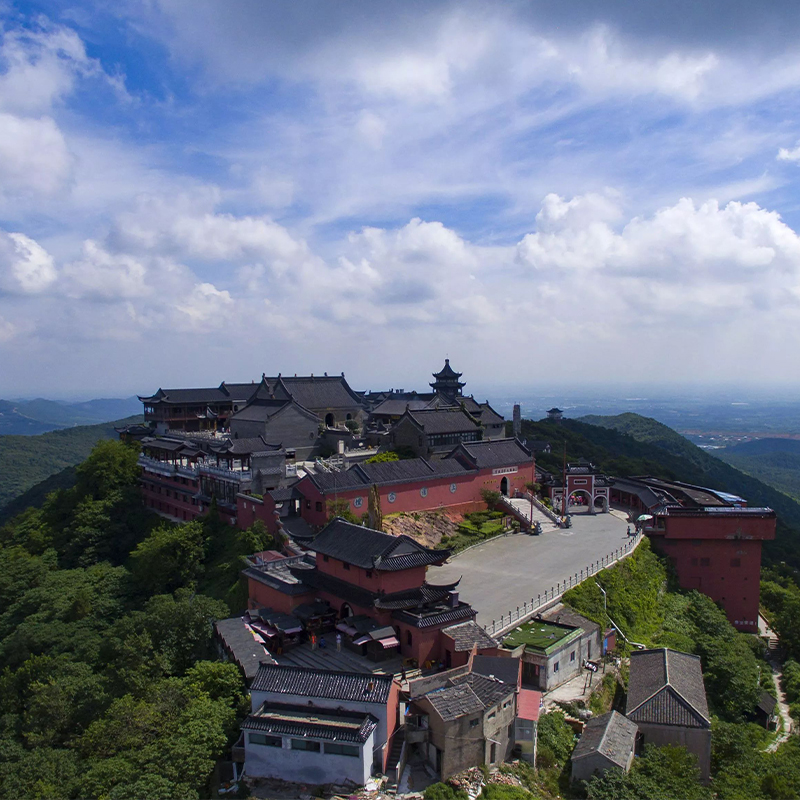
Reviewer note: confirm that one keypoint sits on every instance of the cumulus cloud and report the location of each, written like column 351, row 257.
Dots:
column 786, row 154
column 34, row 158
column 205, row 307
column 25, row 266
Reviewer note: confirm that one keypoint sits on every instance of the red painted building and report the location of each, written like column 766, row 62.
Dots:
column 712, row 538
column 416, row 484
column 361, row 572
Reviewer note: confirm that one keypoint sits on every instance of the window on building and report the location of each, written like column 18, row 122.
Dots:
column 473, row 723
column 555, row 667
column 318, row 506
column 408, row 638
column 572, row 656
column 736, row 562
column 264, row 740
column 493, row 714
column 305, row 744
column 705, row 562
column 369, row 573
column 333, row 749
column 325, row 559
column 345, row 565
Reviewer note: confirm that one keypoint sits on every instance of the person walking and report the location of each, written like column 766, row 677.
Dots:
column 338, row 642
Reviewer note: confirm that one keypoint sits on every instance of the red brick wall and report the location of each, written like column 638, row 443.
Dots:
column 408, row 497
column 379, row 581
column 261, row 596
column 720, row 557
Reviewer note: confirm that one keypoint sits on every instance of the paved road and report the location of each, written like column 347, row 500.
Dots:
column 505, row 572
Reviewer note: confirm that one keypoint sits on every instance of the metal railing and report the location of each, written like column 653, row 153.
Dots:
column 536, row 604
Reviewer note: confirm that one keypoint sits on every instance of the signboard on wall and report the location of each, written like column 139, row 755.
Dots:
column 505, row 470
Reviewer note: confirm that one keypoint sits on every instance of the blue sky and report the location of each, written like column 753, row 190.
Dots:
column 604, row 193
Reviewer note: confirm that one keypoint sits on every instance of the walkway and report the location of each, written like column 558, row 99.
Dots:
column 503, row 573
column 777, row 677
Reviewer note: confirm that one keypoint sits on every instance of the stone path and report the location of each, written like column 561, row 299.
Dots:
column 777, row 676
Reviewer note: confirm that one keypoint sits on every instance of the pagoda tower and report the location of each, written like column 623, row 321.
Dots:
column 447, row 382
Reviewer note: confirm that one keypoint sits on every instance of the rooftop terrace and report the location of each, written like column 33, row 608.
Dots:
column 540, row 635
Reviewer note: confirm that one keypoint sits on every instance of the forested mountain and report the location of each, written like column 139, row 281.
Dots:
column 776, row 462
column 629, row 444
column 27, row 460
column 31, row 417
column 109, row 685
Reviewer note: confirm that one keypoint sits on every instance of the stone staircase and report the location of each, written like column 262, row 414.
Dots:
column 393, row 766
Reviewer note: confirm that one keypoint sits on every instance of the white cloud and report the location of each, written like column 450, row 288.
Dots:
column 25, row 266
column 784, row 154
column 34, row 158
column 40, row 67
column 205, row 308
column 107, row 275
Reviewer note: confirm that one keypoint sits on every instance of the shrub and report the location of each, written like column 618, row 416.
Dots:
column 444, row 791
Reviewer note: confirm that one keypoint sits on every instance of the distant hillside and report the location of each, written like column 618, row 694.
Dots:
column 32, row 417
column 629, row 444
column 37, row 494
column 27, row 460
column 776, row 462
column 760, row 447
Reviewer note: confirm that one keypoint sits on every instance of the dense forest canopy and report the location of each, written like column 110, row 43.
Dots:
column 109, row 685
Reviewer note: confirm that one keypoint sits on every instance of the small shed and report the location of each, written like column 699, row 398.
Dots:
column 608, row 741
column 765, row 711
column 529, row 706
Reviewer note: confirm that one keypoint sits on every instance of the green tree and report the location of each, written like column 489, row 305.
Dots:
column 170, row 557
column 556, row 738
column 661, row 773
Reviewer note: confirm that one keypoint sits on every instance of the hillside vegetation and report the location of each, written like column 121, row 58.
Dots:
column 109, row 685
column 629, row 444
column 776, row 462
column 27, row 460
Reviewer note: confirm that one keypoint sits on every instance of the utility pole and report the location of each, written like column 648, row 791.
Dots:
column 564, row 493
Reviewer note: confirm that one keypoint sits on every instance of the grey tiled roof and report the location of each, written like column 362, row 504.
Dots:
column 394, row 407
column 444, row 420
column 370, row 549
column 323, row 683
column 412, row 598
column 321, row 392
column 386, row 473
column 666, row 687
column 467, row 634
column 287, row 719
column 246, row 651
column 430, row 618
column 452, row 702
column 235, row 392
column 260, row 410
column 458, row 692
column 494, row 453
column 611, row 735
